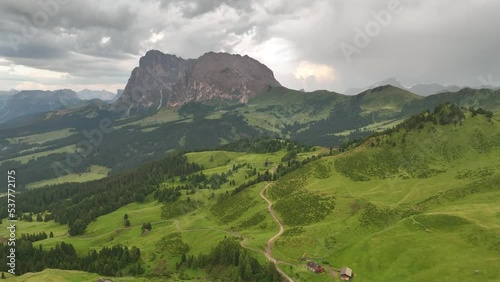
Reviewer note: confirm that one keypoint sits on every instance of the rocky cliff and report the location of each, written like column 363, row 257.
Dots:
column 166, row 80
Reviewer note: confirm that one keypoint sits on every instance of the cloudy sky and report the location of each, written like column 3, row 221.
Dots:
column 311, row 44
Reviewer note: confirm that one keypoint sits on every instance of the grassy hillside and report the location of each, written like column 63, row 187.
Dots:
column 388, row 100
column 56, row 275
column 416, row 203
column 426, row 210
column 319, row 118
column 159, row 247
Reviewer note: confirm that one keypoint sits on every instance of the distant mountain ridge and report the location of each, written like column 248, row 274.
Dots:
column 8, row 93
column 29, row 102
column 88, row 94
column 420, row 89
column 167, row 80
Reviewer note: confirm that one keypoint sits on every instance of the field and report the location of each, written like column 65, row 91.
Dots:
column 96, row 172
column 42, row 137
column 26, row 158
column 56, row 275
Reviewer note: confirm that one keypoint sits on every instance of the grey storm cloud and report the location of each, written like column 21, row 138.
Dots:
column 89, row 42
column 193, row 8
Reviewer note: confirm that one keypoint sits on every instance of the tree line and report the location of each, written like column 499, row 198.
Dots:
column 228, row 261
column 77, row 204
column 109, row 261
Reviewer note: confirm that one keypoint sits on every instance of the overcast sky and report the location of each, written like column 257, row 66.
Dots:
column 311, row 44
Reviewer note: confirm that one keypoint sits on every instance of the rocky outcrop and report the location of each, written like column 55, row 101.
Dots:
column 167, row 80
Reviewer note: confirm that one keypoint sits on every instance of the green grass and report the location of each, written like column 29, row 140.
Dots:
column 42, row 137
column 26, row 158
column 56, row 275
column 96, row 172
column 394, row 226
column 164, row 115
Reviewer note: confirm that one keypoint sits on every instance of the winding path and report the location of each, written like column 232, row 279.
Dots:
column 269, row 243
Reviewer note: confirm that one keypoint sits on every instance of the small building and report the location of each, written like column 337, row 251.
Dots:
column 346, row 273
column 314, row 267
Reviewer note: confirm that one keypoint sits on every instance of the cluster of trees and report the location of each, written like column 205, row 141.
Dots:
column 36, row 237
column 480, row 111
column 266, row 176
column 108, row 261
column 146, row 226
column 167, row 195
column 39, row 217
column 77, row 204
column 258, row 145
column 201, row 181
column 289, row 156
column 228, row 260
column 126, row 221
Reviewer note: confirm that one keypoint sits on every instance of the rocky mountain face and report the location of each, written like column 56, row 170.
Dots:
column 167, row 80
column 37, row 101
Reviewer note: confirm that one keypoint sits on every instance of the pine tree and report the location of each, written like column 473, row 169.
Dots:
column 51, row 235
column 3, row 275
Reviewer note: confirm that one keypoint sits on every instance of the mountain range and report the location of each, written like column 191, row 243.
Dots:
column 28, row 102
column 104, row 95
column 23, row 104
column 419, row 89
column 171, row 103
column 167, row 81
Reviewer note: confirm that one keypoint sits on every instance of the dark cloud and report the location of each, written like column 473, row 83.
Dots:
column 92, row 42
column 193, row 8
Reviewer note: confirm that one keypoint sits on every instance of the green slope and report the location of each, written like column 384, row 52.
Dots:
column 425, row 211
column 418, row 203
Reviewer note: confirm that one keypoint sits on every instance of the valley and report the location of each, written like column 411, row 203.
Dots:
column 428, row 192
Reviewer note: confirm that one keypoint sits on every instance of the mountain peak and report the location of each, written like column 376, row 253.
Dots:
column 168, row 80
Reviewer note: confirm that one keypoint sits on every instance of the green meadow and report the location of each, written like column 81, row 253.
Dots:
column 41, row 138
column 426, row 209
column 96, row 172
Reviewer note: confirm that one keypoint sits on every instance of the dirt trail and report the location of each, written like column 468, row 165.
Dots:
column 269, row 243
